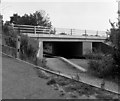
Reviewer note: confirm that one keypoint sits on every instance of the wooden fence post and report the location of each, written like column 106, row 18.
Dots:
column 18, row 46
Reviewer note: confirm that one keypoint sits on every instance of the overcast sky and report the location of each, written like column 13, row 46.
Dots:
column 80, row 14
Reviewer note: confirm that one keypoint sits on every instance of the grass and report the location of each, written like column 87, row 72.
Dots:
column 77, row 89
column 74, row 89
column 41, row 73
column 85, row 64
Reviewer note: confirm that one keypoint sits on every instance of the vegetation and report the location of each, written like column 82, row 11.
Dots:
column 115, row 39
column 77, row 89
column 105, row 65
column 27, row 50
column 102, row 67
column 39, row 18
column 11, row 33
column 28, row 47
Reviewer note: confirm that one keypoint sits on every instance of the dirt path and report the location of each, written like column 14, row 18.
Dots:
column 20, row 81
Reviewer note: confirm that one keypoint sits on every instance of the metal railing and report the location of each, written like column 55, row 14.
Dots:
column 65, row 31
column 32, row 29
column 57, row 31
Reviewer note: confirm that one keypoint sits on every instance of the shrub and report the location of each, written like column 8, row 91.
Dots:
column 116, row 57
column 51, row 82
column 95, row 56
column 27, row 51
column 28, row 46
column 103, row 67
column 9, row 36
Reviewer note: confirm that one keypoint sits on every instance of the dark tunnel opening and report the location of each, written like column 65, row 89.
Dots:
column 64, row 49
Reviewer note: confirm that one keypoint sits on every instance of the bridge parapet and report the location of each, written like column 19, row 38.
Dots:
column 58, row 31
column 66, row 31
column 68, row 38
column 64, row 36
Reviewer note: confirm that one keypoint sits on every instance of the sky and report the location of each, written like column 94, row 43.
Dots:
column 77, row 14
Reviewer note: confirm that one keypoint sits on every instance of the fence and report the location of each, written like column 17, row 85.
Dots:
column 65, row 31
column 60, row 31
column 32, row 29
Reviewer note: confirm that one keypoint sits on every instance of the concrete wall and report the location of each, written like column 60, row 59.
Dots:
column 40, row 50
column 87, row 47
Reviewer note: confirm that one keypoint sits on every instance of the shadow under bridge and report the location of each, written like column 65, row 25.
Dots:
column 64, row 49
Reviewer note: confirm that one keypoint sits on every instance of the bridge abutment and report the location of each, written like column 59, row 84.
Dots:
column 86, row 47
column 40, row 50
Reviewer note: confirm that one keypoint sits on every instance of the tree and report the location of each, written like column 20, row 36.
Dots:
column 15, row 19
column 39, row 18
column 115, row 39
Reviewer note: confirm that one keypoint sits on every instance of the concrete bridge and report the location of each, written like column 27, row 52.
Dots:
column 67, row 45
column 70, row 46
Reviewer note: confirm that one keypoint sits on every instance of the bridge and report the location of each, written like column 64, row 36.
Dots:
column 65, row 43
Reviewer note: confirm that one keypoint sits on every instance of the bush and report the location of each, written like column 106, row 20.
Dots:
column 27, row 51
column 95, row 56
column 103, row 67
column 28, row 46
column 9, row 36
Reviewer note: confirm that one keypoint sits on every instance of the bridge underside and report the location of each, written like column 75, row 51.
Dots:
column 101, row 47
column 65, row 49
column 74, row 49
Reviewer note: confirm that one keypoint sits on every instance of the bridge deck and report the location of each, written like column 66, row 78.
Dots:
column 51, row 37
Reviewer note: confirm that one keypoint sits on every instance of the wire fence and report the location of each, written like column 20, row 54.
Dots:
column 65, row 31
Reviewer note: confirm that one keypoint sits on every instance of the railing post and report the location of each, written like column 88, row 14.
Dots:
column 54, row 31
column 12, row 25
column 71, row 31
column 85, row 33
column 35, row 29
column 18, row 46
column 96, row 33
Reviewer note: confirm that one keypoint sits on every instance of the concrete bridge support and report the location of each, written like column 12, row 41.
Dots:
column 40, row 50
column 87, row 47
